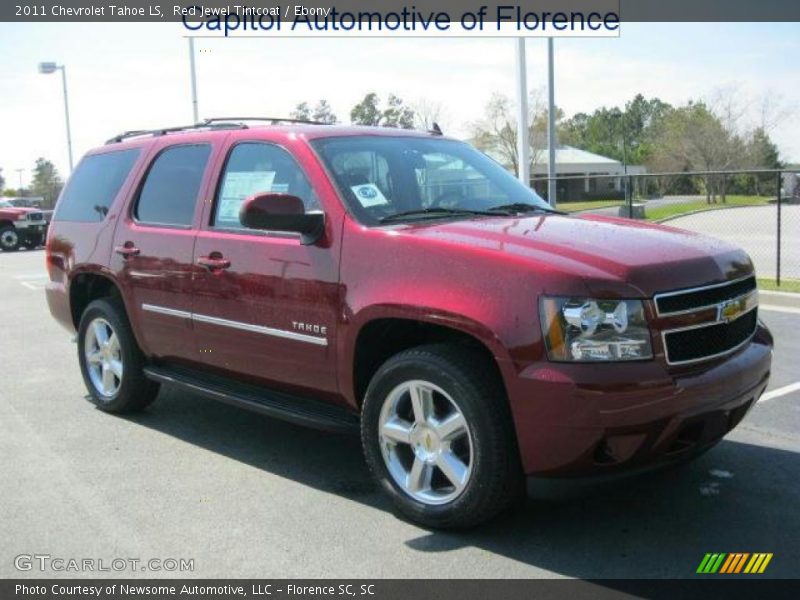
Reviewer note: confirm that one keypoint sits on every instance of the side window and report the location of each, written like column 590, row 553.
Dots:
column 253, row 168
column 94, row 185
column 169, row 193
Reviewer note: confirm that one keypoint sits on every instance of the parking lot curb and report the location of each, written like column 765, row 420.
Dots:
column 787, row 299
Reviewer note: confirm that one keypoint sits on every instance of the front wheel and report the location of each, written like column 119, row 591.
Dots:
column 9, row 238
column 438, row 438
column 111, row 362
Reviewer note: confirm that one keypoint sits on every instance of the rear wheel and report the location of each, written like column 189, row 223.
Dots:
column 438, row 437
column 9, row 238
column 111, row 362
column 33, row 242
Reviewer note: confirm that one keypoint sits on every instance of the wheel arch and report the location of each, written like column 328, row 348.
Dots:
column 88, row 285
column 384, row 333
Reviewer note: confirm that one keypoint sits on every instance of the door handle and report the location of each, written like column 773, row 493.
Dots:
column 127, row 250
column 214, row 262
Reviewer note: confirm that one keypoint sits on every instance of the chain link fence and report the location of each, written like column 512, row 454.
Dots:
column 758, row 210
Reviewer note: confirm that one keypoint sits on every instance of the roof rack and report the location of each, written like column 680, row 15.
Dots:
column 272, row 120
column 211, row 123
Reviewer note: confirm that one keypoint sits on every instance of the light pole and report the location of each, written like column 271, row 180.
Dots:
column 523, row 143
column 21, row 190
column 50, row 67
column 552, row 141
column 193, row 72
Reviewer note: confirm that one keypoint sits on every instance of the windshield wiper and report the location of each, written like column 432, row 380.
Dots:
column 522, row 207
column 432, row 212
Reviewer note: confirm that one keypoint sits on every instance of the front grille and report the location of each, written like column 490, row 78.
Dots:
column 699, row 298
column 707, row 341
column 35, row 216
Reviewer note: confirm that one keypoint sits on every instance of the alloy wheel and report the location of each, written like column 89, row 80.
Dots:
column 426, row 442
column 9, row 238
column 103, row 357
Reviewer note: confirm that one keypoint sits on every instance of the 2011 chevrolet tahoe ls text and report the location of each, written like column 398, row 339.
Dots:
column 406, row 285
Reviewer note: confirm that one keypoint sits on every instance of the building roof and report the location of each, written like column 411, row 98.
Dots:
column 571, row 160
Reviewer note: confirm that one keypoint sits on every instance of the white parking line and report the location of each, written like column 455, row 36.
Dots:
column 781, row 391
column 776, row 308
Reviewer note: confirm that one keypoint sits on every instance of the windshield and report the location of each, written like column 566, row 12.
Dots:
column 5, row 204
column 382, row 177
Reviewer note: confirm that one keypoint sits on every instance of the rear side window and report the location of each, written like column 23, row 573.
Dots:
column 169, row 193
column 94, row 185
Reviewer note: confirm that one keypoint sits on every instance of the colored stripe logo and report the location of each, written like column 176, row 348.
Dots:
column 733, row 563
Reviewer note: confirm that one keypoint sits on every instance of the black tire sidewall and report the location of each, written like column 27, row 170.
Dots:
column 476, row 410
column 131, row 360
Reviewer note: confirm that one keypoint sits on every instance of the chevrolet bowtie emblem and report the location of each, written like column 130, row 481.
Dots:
column 732, row 309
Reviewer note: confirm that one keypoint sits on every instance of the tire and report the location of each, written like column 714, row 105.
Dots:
column 115, row 378
column 401, row 448
column 34, row 242
column 9, row 238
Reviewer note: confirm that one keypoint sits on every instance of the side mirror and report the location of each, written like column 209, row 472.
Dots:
column 282, row 212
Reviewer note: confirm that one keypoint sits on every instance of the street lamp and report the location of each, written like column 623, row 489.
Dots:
column 21, row 189
column 46, row 68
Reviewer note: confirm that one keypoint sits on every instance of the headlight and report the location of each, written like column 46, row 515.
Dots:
column 588, row 330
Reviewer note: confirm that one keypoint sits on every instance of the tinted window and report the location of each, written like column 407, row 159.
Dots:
column 94, row 185
column 169, row 193
column 256, row 168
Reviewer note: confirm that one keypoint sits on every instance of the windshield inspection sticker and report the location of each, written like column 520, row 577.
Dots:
column 369, row 195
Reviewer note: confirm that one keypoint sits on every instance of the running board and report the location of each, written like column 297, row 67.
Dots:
column 280, row 405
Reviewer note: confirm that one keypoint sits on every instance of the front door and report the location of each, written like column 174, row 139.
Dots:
column 265, row 306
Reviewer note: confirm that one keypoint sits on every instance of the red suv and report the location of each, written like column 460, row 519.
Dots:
column 407, row 286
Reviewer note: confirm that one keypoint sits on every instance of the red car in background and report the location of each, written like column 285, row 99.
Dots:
column 21, row 226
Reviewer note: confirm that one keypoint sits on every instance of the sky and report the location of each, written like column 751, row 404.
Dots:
column 134, row 76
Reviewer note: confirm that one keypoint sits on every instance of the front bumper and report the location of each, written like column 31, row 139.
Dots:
column 28, row 230
column 580, row 419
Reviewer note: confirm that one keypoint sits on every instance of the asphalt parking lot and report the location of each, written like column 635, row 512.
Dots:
column 246, row 496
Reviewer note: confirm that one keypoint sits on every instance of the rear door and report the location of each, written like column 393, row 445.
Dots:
column 154, row 243
column 266, row 306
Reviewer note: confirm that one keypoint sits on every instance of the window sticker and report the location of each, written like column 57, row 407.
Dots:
column 237, row 187
column 369, row 195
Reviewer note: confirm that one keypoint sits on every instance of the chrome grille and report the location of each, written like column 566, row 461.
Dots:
column 734, row 322
column 695, row 299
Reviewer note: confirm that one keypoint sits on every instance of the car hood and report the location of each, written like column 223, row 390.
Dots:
column 611, row 255
column 17, row 210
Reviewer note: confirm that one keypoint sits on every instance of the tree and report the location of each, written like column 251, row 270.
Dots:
column 762, row 153
column 427, row 112
column 367, row 112
column 397, row 113
column 496, row 133
column 301, row 112
column 615, row 132
column 46, row 182
column 324, row 113
column 2, row 180
column 694, row 138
